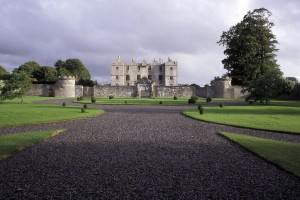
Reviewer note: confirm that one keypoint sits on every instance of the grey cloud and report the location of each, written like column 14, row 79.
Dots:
column 97, row 31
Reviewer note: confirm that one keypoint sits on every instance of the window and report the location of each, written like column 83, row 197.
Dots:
column 171, row 77
column 149, row 77
column 117, row 77
column 160, row 68
column 139, row 68
column 127, row 84
column 138, row 77
column 117, row 68
column 127, row 77
column 149, row 68
column 160, row 77
column 171, row 68
column 127, row 67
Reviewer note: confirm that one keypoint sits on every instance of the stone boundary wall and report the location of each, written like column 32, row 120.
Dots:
column 40, row 90
column 116, row 91
column 171, row 91
column 78, row 90
column 88, row 91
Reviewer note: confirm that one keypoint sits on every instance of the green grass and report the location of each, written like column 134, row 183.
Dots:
column 148, row 101
column 13, row 143
column 265, row 117
column 283, row 154
column 13, row 113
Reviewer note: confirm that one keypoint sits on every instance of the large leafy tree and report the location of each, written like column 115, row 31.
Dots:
column 29, row 68
column 270, row 84
column 45, row 74
column 17, row 86
column 250, row 47
column 73, row 67
column 3, row 73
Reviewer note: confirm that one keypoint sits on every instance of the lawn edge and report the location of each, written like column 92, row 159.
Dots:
column 55, row 133
column 254, row 153
column 237, row 126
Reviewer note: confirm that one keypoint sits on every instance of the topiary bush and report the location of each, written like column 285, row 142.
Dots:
column 93, row 99
column 221, row 105
column 160, row 102
column 199, row 107
column 193, row 99
column 83, row 110
column 175, row 98
column 208, row 99
column 110, row 96
column 125, row 102
column 201, row 110
column 85, row 106
column 64, row 104
column 80, row 98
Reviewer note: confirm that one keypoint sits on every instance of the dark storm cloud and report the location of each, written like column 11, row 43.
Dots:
column 97, row 31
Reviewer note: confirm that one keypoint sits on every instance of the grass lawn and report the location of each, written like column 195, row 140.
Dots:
column 148, row 101
column 141, row 101
column 283, row 154
column 13, row 113
column 13, row 143
column 265, row 117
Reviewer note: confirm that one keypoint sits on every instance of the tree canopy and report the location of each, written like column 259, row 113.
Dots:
column 250, row 47
column 17, row 86
column 3, row 73
column 73, row 67
column 45, row 74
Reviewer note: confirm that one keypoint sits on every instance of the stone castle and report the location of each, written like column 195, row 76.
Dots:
column 146, row 80
column 128, row 74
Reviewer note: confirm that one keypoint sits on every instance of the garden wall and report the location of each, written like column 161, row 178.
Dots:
column 171, row 91
column 116, row 91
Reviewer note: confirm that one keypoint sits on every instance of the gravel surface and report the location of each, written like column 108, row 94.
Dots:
column 143, row 152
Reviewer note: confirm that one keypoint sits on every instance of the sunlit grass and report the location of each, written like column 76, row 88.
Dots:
column 266, row 117
column 283, row 154
column 13, row 113
column 13, row 143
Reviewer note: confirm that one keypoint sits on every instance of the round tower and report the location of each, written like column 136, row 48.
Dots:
column 222, row 87
column 65, row 87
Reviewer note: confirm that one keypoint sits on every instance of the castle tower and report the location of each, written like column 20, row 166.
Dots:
column 65, row 87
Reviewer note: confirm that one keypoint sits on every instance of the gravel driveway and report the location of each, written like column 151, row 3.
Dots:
column 143, row 152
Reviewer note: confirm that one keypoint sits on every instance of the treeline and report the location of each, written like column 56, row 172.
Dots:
column 48, row 75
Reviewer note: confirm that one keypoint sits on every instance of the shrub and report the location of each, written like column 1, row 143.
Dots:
column 93, row 99
column 80, row 98
column 64, row 104
column 208, row 99
column 110, row 96
column 160, row 102
column 199, row 107
column 221, row 105
column 201, row 110
column 125, row 102
column 193, row 99
column 175, row 98
column 85, row 106
column 83, row 110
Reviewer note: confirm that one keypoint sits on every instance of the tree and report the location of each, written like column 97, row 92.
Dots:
column 17, row 86
column 3, row 73
column 250, row 47
column 270, row 84
column 29, row 68
column 45, row 74
column 73, row 67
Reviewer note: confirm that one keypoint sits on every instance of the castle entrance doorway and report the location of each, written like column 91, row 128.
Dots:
column 144, row 88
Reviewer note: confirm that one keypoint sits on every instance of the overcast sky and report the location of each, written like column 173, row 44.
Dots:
column 98, row 31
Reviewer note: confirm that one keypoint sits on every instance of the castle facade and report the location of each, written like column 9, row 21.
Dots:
column 128, row 74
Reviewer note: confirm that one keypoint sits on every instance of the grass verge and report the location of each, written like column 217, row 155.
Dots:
column 148, row 101
column 283, row 154
column 13, row 113
column 264, row 117
column 12, row 143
